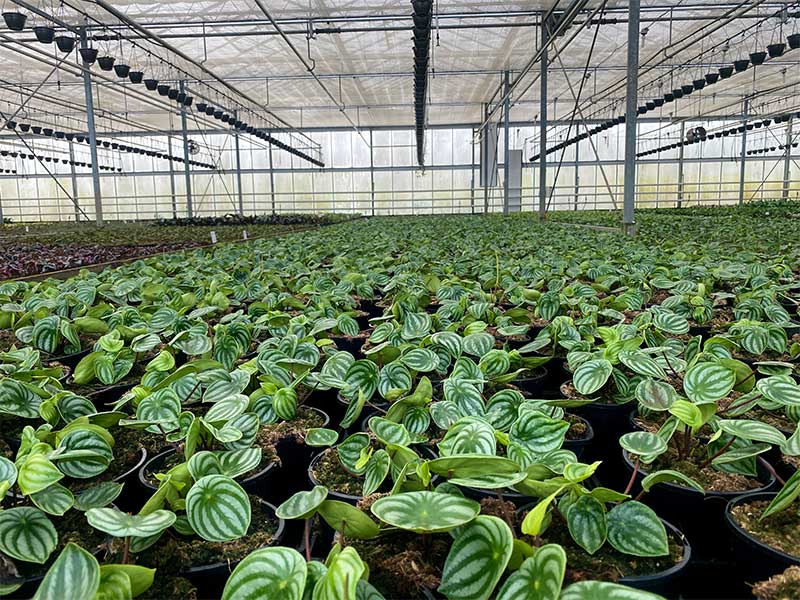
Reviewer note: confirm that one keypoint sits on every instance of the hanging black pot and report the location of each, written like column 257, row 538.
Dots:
column 699, row 84
column 69, row 136
column 749, row 127
column 758, row 58
column 725, row 72
column 59, row 135
column 36, row 129
column 122, row 70
column 44, row 34
column 794, row 41
column 687, row 89
column 776, row 50
column 10, row 125
column 88, row 55
column 767, row 122
column 422, row 21
column 218, row 114
column 114, row 145
column 47, row 131
column 65, row 43
column 106, row 144
column 79, row 138
column 669, row 97
column 15, row 21
column 210, row 110
column 677, row 92
column 201, row 107
column 741, row 65
column 136, row 76
column 181, row 97
column 25, row 127
column 712, row 78
column 188, row 101
column 650, row 105
column 64, row 161
column 106, row 62
column 172, row 94
column 163, row 89
column 225, row 118
column 151, row 84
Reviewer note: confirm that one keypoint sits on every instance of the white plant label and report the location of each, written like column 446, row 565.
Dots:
column 213, row 237
column 244, row 234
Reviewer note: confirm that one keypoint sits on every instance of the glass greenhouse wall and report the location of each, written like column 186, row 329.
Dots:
column 387, row 181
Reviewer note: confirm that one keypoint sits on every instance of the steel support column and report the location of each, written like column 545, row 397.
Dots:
column 472, row 182
column 172, row 181
column 238, row 168
column 87, row 87
column 371, row 173
column 485, row 163
column 631, row 106
column 506, row 145
column 681, row 176
column 272, row 180
column 543, row 122
column 186, row 172
column 74, row 181
column 577, row 177
column 787, row 162
column 742, row 169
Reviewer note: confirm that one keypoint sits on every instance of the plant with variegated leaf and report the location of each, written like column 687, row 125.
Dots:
column 111, row 360
column 759, row 338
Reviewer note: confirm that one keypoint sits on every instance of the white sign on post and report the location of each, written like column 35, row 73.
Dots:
column 213, row 237
column 244, row 234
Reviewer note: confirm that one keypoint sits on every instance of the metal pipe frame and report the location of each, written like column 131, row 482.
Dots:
column 631, row 106
column 745, row 110
column 186, row 169
column 543, row 64
column 87, row 86
column 506, row 143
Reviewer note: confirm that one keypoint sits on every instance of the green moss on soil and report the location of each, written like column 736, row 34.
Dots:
column 170, row 588
column 270, row 435
column 330, row 473
column 780, row 530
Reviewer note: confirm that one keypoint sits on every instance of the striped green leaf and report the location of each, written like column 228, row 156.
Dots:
column 119, row 524
column 792, row 445
column 472, row 465
column 46, row 334
column 604, row 590
column 495, row 363
column 538, row 432
column 469, row 435
column 788, row 494
column 268, row 573
column 389, row 432
column 421, row 360
column 415, row 326
column 140, row 578
column 16, row 399
column 362, row 376
column 227, row 409
column 465, row 395
column 425, row 512
column 490, row 481
column 449, row 341
column 37, row 473
column 98, row 496
column 366, row 591
column 247, row 424
column 348, row 520
column 302, row 505
column 634, row 528
column 668, row 476
column 417, row 419
column 641, row 363
column 655, row 395
column 445, row 413
column 586, row 519
column 752, row 430
column 708, row 382
column 643, row 443
column 349, row 452
column 71, row 406
column 671, row 323
column 75, row 575
column 27, row 534
column 539, row 578
column 376, row 471
column 735, row 455
column 394, row 380
column 592, row 375
column 478, row 344
column 320, row 437
column 218, row 508
column 54, row 499
column 162, row 406
column 8, row 472
column 227, row 385
column 503, row 407
column 342, row 577
column 84, row 453
column 477, row 559
column 114, row 585
column 780, row 389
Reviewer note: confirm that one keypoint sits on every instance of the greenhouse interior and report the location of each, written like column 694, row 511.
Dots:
column 419, row 300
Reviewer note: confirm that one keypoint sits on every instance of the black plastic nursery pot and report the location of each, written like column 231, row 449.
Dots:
column 257, row 484
column 609, row 422
column 15, row 21
column 44, row 34
column 533, row 384
column 699, row 516
column 70, row 360
column 759, row 560
column 350, row 344
column 133, row 495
